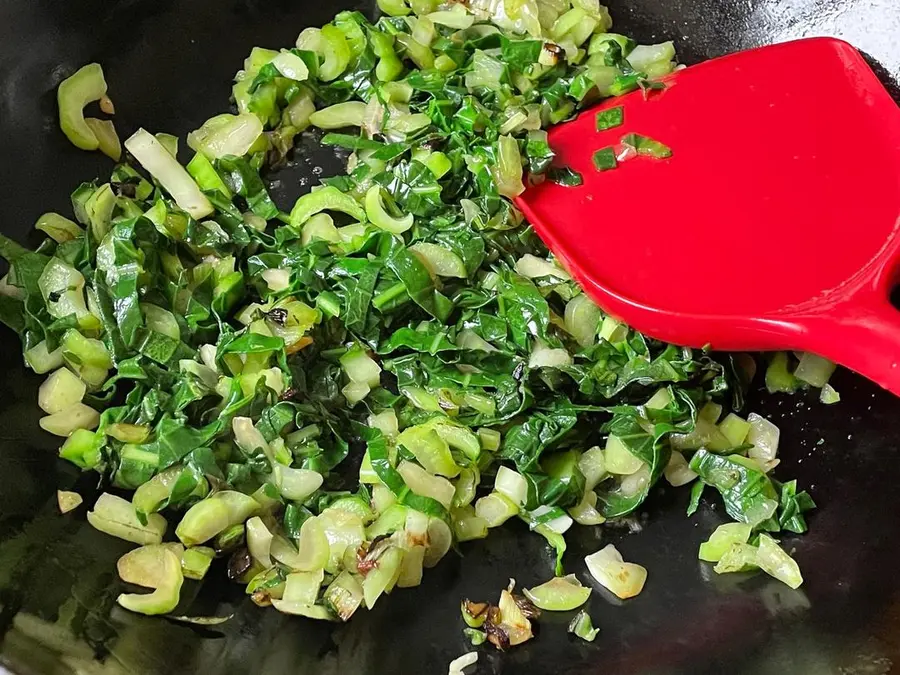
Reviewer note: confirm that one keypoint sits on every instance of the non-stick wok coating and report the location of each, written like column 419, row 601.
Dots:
column 169, row 65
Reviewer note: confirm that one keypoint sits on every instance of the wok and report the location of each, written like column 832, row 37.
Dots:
column 169, row 65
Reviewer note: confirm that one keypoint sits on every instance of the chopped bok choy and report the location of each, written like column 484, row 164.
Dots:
column 337, row 392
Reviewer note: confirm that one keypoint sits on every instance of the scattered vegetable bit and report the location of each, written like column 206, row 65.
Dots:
column 610, row 118
column 764, row 437
column 226, row 135
column 203, row 620
column 106, row 105
column 646, row 146
column 582, row 627
column 778, row 377
column 107, row 139
column 458, row 665
column 560, row 594
column 564, row 176
column 68, row 501
column 605, row 159
column 166, row 584
column 510, row 624
column 677, row 471
column 476, row 637
column 625, row 580
column 195, row 562
column 474, row 613
column 767, row 556
column 59, row 228
column 87, row 84
column 113, row 515
column 829, row 395
column 403, row 318
column 505, row 625
column 738, row 558
column 166, row 169
column 814, row 370
column 146, row 566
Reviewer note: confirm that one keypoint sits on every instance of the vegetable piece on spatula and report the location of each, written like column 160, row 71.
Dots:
column 772, row 223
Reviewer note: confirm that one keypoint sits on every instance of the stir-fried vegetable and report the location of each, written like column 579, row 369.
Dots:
column 160, row 569
column 605, row 159
column 582, row 626
column 459, row 664
column 504, row 625
column 722, row 539
column 68, row 500
column 560, row 594
column 228, row 358
column 643, row 145
column 787, row 374
column 766, row 555
column 624, row 579
column 160, row 163
column 85, row 86
column 116, row 516
column 610, row 118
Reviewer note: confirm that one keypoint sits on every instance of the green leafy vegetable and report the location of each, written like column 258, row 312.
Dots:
column 605, row 159
column 87, row 84
column 565, row 176
column 582, row 627
column 353, row 384
column 610, row 118
column 750, row 495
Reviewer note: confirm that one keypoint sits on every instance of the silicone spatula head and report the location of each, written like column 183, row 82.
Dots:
column 774, row 223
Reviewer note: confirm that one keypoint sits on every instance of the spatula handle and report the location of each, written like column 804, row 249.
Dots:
column 864, row 337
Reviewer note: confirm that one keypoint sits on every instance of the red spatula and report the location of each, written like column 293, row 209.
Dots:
column 773, row 225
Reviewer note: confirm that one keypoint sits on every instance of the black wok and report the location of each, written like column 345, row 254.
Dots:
column 169, row 66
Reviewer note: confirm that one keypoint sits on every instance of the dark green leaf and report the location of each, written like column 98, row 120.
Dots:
column 605, row 159
column 524, row 308
column 431, row 341
column 524, row 443
column 419, row 284
column 564, row 176
column 519, row 54
column 611, row 117
column 244, row 180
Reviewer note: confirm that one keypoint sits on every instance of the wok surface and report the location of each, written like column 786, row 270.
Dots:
column 169, row 65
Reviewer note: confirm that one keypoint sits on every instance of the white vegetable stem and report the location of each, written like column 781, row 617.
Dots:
column 511, row 484
column 166, row 169
column 457, row 664
column 534, row 268
column 624, row 579
column 560, row 524
column 226, row 135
